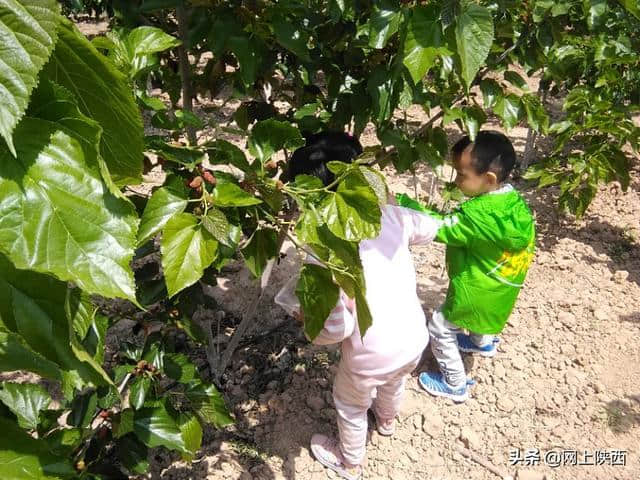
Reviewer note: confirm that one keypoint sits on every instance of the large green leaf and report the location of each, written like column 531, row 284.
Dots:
column 187, row 249
column 384, row 22
column 28, row 31
column 292, row 37
column 33, row 306
column 207, row 402
column 595, row 11
column 78, row 66
column 228, row 194
column 165, row 202
column 57, row 216
column 133, row 53
column 247, row 51
column 26, row 401
column 138, row 392
column 223, row 152
column 217, row 225
column 423, row 42
column 509, row 109
column 474, row 36
column 133, row 454
column 262, row 247
column 380, row 89
column 318, row 295
column 632, row 6
column 352, row 213
column 22, row 457
column 156, row 428
column 191, row 435
column 15, row 355
column 269, row 136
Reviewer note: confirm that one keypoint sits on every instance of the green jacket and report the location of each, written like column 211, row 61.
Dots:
column 490, row 243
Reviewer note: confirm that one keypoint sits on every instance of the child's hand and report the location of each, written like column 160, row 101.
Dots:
column 299, row 316
column 391, row 198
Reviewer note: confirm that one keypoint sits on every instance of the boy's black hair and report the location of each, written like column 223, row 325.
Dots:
column 491, row 151
column 320, row 149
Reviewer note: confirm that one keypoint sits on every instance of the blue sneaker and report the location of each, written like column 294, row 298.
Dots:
column 436, row 385
column 465, row 344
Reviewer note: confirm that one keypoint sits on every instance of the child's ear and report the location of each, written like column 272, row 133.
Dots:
column 491, row 178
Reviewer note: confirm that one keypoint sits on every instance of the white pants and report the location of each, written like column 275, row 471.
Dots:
column 353, row 396
column 444, row 346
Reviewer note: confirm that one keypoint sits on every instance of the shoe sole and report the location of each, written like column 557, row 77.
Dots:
column 489, row 354
column 437, row 393
column 331, row 466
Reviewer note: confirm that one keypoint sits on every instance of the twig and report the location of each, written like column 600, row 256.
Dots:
column 465, row 452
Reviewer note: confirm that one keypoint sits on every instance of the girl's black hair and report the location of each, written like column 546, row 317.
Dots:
column 322, row 148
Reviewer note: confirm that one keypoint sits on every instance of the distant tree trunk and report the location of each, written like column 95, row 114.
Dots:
column 185, row 70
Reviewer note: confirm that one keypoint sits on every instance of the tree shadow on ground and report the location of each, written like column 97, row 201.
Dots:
column 617, row 244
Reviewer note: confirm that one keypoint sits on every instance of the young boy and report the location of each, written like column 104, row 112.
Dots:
column 490, row 244
column 378, row 363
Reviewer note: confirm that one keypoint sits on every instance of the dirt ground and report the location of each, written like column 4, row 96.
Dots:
column 566, row 378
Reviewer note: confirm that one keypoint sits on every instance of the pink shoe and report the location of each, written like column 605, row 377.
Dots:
column 386, row 428
column 327, row 452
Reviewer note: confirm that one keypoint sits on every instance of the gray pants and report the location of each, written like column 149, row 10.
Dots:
column 445, row 348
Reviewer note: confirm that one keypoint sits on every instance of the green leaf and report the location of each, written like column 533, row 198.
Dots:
column 491, row 92
column 164, row 204
column 423, row 42
column 179, row 367
column 186, row 156
column 15, row 355
column 384, row 22
column 514, row 79
column 632, row 7
column 228, row 194
column 380, row 89
column 28, row 30
column 78, row 66
column 187, row 249
column 63, row 442
column 138, row 392
column 147, row 40
column 262, row 247
column 376, row 181
column 352, row 212
column 133, row 455
column 291, row 36
column 474, row 36
column 191, row 435
column 365, row 320
column 83, row 409
column 247, row 52
column 269, row 136
column 596, row 12
column 318, row 295
column 217, row 225
column 57, row 216
column 156, row 428
column 508, row 108
column 222, row 152
column 207, row 402
column 24, row 458
column 94, row 342
column 33, row 306
column 26, row 401
column 536, row 114
column 123, row 423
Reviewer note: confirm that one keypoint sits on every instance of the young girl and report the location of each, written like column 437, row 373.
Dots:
column 373, row 368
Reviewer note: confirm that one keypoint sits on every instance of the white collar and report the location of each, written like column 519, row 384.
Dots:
column 507, row 187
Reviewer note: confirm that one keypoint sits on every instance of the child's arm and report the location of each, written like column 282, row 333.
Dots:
column 456, row 229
